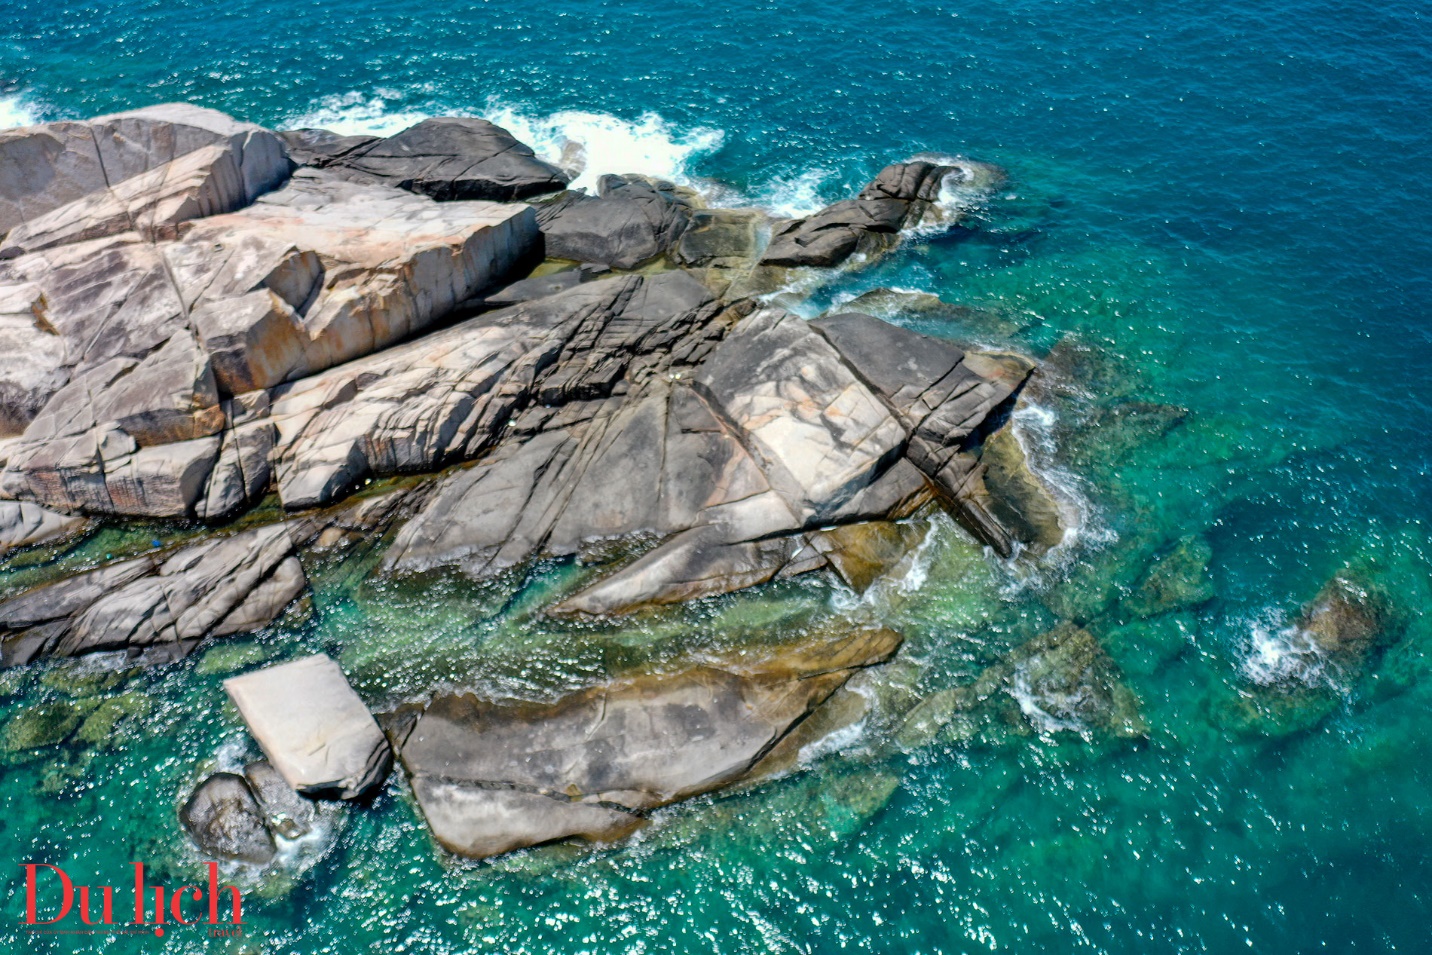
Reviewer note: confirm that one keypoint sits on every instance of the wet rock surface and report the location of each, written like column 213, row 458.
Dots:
column 220, row 324
column 491, row 777
column 157, row 607
column 225, row 821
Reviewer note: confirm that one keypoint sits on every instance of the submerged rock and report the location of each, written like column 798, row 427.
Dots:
column 1059, row 682
column 225, row 821
column 41, row 726
column 1021, row 501
column 313, row 728
column 492, row 777
column 1176, row 581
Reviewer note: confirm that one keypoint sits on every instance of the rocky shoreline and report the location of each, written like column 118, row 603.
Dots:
column 240, row 330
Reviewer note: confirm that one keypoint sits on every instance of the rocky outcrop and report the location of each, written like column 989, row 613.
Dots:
column 735, row 464
column 900, row 197
column 491, row 777
column 157, row 607
column 447, row 158
column 43, row 168
column 24, row 524
column 313, row 728
column 315, row 274
column 152, row 204
column 632, row 220
column 225, row 821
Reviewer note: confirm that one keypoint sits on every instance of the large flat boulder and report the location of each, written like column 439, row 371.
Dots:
column 447, row 158
column 204, row 182
column 313, row 728
column 491, row 777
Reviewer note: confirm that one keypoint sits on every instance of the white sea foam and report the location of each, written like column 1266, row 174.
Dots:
column 1037, row 709
column 380, row 113
column 588, row 144
column 16, row 110
column 1278, row 652
column 593, row 144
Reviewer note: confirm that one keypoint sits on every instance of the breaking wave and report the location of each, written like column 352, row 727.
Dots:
column 16, row 110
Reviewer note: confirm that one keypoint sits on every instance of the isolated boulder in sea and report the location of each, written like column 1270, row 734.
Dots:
column 631, row 220
column 157, row 607
column 225, row 821
column 896, row 199
column 313, row 728
column 1346, row 621
column 492, row 777
column 447, row 158
column 48, row 166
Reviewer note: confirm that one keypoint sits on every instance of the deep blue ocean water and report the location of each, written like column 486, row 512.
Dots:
column 1228, row 207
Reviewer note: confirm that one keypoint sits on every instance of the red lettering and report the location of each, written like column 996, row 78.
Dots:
column 30, row 906
column 214, row 888
column 178, row 897
column 108, row 893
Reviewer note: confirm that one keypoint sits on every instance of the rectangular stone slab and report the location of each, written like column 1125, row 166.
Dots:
column 312, row 727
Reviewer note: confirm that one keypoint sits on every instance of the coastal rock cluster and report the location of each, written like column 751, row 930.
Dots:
column 198, row 315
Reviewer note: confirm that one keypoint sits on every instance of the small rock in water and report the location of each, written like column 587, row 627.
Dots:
column 225, row 820
column 287, row 813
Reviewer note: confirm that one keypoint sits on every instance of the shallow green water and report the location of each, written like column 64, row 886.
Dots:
column 1216, row 213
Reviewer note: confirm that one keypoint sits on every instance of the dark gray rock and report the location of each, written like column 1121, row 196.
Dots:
column 898, row 198
column 318, row 147
column 491, row 777
column 285, row 811
column 446, row 158
column 632, row 220
column 225, row 821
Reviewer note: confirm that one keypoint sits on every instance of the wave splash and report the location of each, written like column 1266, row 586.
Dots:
column 591, row 144
column 16, row 110
column 1279, row 653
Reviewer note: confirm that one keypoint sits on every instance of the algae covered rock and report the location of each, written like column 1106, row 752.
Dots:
column 1178, row 580
column 40, row 726
column 1062, row 682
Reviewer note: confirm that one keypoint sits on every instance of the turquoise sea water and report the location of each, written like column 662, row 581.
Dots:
column 1219, row 208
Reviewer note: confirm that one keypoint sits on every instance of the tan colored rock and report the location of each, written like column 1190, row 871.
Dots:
column 205, row 182
column 312, row 727
column 45, row 167
column 491, row 777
